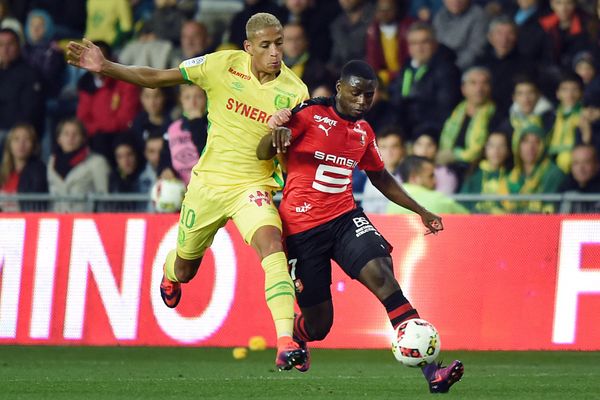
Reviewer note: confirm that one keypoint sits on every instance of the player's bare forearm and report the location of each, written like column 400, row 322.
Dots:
column 391, row 189
column 143, row 76
column 265, row 149
column 87, row 55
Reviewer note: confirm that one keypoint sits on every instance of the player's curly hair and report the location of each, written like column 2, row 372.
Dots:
column 261, row 21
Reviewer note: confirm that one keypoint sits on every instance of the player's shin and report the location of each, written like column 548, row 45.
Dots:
column 279, row 293
column 170, row 266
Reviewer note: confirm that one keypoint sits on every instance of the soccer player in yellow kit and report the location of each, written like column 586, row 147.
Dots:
column 244, row 88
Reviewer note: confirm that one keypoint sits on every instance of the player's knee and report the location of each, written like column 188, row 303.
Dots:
column 186, row 269
column 267, row 241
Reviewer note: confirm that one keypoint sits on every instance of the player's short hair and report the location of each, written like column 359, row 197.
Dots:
column 261, row 21
column 412, row 165
column 359, row 69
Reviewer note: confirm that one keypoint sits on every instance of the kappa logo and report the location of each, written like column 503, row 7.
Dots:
column 259, row 198
column 326, row 130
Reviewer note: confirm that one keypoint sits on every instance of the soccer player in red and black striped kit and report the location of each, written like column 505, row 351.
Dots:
column 325, row 139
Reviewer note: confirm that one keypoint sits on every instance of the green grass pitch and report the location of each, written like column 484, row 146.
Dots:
column 205, row 373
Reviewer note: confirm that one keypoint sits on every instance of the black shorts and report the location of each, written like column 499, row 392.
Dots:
column 350, row 240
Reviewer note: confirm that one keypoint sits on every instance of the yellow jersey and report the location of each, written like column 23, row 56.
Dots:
column 239, row 107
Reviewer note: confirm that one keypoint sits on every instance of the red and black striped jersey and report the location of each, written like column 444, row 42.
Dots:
column 326, row 146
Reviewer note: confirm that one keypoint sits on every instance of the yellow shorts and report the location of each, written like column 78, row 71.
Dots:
column 205, row 210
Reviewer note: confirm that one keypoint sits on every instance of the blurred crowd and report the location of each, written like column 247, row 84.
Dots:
column 475, row 96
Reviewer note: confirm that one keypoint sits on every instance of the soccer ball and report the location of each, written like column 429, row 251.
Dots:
column 416, row 343
column 167, row 195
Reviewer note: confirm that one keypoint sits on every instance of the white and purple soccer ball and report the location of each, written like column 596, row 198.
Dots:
column 416, row 343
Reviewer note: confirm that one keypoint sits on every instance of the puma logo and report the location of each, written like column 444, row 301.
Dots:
column 326, row 130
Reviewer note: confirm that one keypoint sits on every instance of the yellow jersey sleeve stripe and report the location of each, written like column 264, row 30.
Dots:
column 185, row 75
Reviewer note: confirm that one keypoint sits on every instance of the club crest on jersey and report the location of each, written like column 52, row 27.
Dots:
column 282, row 101
column 363, row 134
column 259, row 198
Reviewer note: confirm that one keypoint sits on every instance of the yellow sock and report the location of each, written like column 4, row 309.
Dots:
column 279, row 292
column 170, row 266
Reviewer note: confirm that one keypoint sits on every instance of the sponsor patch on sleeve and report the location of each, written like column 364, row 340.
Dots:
column 193, row 61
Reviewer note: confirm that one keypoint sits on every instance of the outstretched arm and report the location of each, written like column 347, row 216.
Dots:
column 391, row 189
column 88, row 56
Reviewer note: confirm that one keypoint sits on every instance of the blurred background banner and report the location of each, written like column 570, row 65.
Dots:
column 486, row 282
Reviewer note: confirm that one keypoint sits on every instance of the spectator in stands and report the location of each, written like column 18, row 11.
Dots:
column 106, row 107
column 42, row 53
column 323, row 90
column 21, row 97
column 126, row 176
column 383, row 112
column 186, row 137
column 425, row 145
column 392, row 149
column 529, row 108
column 562, row 138
column 147, row 49
column 531, row 38
column 194, row 42
column 297, row 57
column 73, row 169
column 589, row 120
column 154, row 118
column 315, row 17
column 167, row 20
column 465, row 131
column 424, row 10
column 418, row 179
column 8, row 22
column 152, row 151
column 348, row 32
column 387, row 49
column 490, row 175
column 428, row 86
column 566, row 31
column 21, row 170
column 109, row 21
column 462, row 26
column 584, row 177
column 237, row 27
column 142, row 10
column 584, row 65
column 503, row 60
column 534, row 172
column 69, row 16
